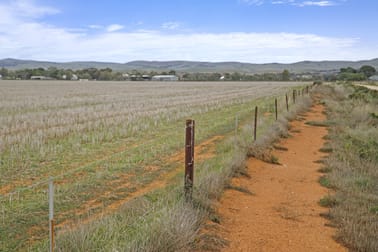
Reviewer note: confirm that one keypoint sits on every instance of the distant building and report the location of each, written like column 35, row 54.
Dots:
column 74, row 77
column 40, row 77
column 165, row 78
column 1, row 76
column 146, row 77
column 373, row 78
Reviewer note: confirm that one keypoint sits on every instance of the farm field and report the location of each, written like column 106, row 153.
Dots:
column 103, row 143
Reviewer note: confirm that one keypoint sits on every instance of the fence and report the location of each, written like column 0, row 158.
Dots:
column 16, row 201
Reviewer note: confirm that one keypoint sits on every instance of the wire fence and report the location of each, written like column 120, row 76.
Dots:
column 23, row 208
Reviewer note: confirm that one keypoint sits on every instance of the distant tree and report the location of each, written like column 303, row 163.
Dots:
column 348, row 70
column 4, row 72
column 53, row 72
column 345, row 76
column 285, row 75
column 235, row 76
column 367, row 70
column 172, row 72
column 23, row 74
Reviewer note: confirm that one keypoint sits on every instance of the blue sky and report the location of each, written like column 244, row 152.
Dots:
column 256, row 31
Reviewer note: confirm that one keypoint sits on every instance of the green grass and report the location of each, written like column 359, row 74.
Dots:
column 324, row 181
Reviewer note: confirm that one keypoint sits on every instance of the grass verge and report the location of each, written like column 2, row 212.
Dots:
column 352, row 165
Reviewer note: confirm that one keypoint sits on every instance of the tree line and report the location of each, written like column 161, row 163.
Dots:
column 345, row 74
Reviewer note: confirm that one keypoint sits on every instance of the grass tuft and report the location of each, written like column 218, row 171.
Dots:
column 328, row 201
column 325, row 169
column 324, row 181
column 326, row 149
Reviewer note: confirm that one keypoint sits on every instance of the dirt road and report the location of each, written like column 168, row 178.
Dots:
column 371, row 87
column 283, row 213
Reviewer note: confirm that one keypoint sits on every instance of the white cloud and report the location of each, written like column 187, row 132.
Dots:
column 170, row 25
column 96, row 27
column 252, row 2
column 12, row 10
column 293, row 2
column 316, row 3
column 21, row 37
column 114, row 27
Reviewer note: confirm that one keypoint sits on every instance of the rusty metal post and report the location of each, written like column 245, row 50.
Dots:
column 276, row 107
column 255, row 128
column 294, row 94
column 287, row 103
column 189, row 159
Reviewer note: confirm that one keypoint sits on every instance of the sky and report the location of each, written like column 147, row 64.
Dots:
column 255, row 31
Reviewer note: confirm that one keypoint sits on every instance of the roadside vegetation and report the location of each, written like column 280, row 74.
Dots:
column 351, row 168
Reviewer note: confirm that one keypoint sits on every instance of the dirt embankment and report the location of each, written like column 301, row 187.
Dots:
column 283, row 213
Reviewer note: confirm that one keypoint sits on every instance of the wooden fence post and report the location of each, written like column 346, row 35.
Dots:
column 287, row 103
column 294, row 93
column 276, row 107
column 189, row 159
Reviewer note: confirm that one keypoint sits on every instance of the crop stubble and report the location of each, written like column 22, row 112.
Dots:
column 99, row 140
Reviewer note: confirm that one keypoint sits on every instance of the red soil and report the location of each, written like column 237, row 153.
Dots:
column 203, row 151
column 283, row 214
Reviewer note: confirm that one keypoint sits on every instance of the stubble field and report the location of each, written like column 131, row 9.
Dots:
column 103, row 143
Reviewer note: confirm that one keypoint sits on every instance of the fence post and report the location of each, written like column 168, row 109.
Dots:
column 294, row 92
column 276, row 107
column 189, row 159
column 255, row 128
column 287, row 103
column 51, row 214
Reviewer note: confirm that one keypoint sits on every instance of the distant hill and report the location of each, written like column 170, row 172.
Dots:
column 194, row 66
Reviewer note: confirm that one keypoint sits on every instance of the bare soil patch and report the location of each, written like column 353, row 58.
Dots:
column 283, row 213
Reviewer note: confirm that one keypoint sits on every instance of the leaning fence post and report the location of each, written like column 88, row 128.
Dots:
column 189, row 159
column 51, row 214
column 255, row 128
column 275, row 105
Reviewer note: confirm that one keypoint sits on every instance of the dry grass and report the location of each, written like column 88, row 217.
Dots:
column 103, row 138
column 352, row 166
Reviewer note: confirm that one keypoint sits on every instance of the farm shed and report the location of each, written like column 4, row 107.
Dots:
column 40, row 77
column 165, row 78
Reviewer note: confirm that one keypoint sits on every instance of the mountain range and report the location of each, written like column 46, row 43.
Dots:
column 194, row 66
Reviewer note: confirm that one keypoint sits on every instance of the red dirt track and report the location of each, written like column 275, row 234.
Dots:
column 283, row 214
